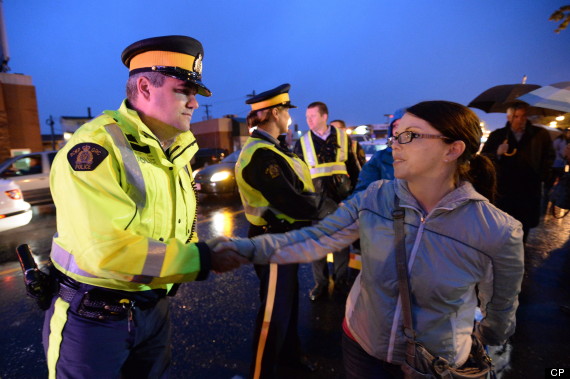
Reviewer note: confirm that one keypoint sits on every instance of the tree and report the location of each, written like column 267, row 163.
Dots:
column 562, row 14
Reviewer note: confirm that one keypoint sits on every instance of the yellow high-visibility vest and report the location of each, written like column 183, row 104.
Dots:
column 126, row 222
column 255, row 204
column 326, row 168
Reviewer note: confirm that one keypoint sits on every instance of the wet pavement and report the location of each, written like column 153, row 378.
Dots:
column 213, row 320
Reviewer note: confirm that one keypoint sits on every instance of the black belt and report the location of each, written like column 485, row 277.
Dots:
column 106, row 304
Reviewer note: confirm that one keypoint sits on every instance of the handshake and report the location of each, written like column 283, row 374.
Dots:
column 224, row 255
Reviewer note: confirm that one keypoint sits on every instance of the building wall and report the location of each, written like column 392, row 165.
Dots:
column 19, row 120
column 222, row 133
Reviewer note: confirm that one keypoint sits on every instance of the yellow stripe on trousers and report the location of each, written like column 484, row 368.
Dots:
column 56, row 324
column 269, row 301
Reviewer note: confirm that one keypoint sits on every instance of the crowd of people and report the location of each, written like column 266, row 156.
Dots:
column 126, row 223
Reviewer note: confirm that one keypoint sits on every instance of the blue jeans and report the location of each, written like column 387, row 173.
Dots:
column 358, row 364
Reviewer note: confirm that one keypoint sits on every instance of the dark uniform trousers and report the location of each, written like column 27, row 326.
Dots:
column 283, row 344
column 137, row 346
column 320, row 268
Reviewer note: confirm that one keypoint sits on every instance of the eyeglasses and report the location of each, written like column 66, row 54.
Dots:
column 407, row 137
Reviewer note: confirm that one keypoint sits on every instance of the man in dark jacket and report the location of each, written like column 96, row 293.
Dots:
column 334, row 168
column 522, row 154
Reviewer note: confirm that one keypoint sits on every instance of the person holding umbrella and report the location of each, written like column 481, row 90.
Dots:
column 522, row 154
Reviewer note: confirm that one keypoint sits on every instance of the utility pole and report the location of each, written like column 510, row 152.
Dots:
column 252, row 94
column 4, row 51
column 207, row 106
column 50, row 122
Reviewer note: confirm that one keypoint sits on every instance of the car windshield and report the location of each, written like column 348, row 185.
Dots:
column 371, row 149
column 232, row 158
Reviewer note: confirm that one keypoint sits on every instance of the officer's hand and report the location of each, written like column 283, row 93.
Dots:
column 503, row 148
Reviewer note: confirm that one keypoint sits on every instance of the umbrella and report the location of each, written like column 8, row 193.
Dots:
column 555, row 96
column 498, row 98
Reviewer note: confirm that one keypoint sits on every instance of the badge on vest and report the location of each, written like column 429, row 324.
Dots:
column 273, row 171
column 86, row 156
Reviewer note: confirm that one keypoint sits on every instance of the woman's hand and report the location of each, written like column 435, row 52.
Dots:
column 224, row 256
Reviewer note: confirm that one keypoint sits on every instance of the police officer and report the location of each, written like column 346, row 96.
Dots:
column 356, row 148
column 126, row 221
column 334, row 168
column 278, row 195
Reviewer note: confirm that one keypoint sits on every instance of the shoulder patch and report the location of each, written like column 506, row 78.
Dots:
column 86, row 156
column 273, row 171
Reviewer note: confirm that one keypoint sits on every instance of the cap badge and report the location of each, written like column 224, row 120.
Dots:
column 198, row 64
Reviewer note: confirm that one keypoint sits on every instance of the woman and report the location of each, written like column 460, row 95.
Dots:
column 278, row 195
column 456, row 240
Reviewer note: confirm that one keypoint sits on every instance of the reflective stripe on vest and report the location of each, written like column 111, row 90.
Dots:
column 254, row 203
column 326, row 169
column 156, row 251
column 152, row 267
column 66, row 260
column 132, row 168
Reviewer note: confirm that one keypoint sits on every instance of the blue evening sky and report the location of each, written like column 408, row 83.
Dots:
column 364, row 58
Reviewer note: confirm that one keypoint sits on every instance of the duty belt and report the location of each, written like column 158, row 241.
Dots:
column 104, row 304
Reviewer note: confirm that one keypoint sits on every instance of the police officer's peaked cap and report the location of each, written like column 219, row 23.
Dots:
column 272, row 98
column 179, row 57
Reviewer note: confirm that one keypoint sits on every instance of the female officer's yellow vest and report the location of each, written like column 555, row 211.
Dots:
column 326, row 168
column 255, row 204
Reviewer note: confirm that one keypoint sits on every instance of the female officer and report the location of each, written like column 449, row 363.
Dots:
column 455, row 241
column 278, row 195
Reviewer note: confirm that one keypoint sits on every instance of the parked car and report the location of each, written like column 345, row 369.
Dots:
column 207, row 156
column 371, row 147
column 31, row 173
column 14, row 211
column 359, row 137
column 218, row 178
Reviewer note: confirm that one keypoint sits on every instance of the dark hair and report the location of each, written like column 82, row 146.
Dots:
column 260, row 117
column 459, row 123
column 518, row 105
column 322, row 107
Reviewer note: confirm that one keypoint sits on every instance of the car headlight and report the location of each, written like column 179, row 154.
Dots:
column 219, row 176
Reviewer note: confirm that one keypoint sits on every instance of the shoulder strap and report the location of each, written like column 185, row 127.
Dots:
column 403, row 281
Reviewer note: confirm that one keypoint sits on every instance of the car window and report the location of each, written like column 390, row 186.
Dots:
column 27, row 165
column 371, row 149
column 232, row 158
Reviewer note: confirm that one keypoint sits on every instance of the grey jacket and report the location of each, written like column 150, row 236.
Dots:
column 463, row 242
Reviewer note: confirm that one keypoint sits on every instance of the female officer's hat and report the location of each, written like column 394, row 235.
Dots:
column 272, row 98
column 179, row 57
